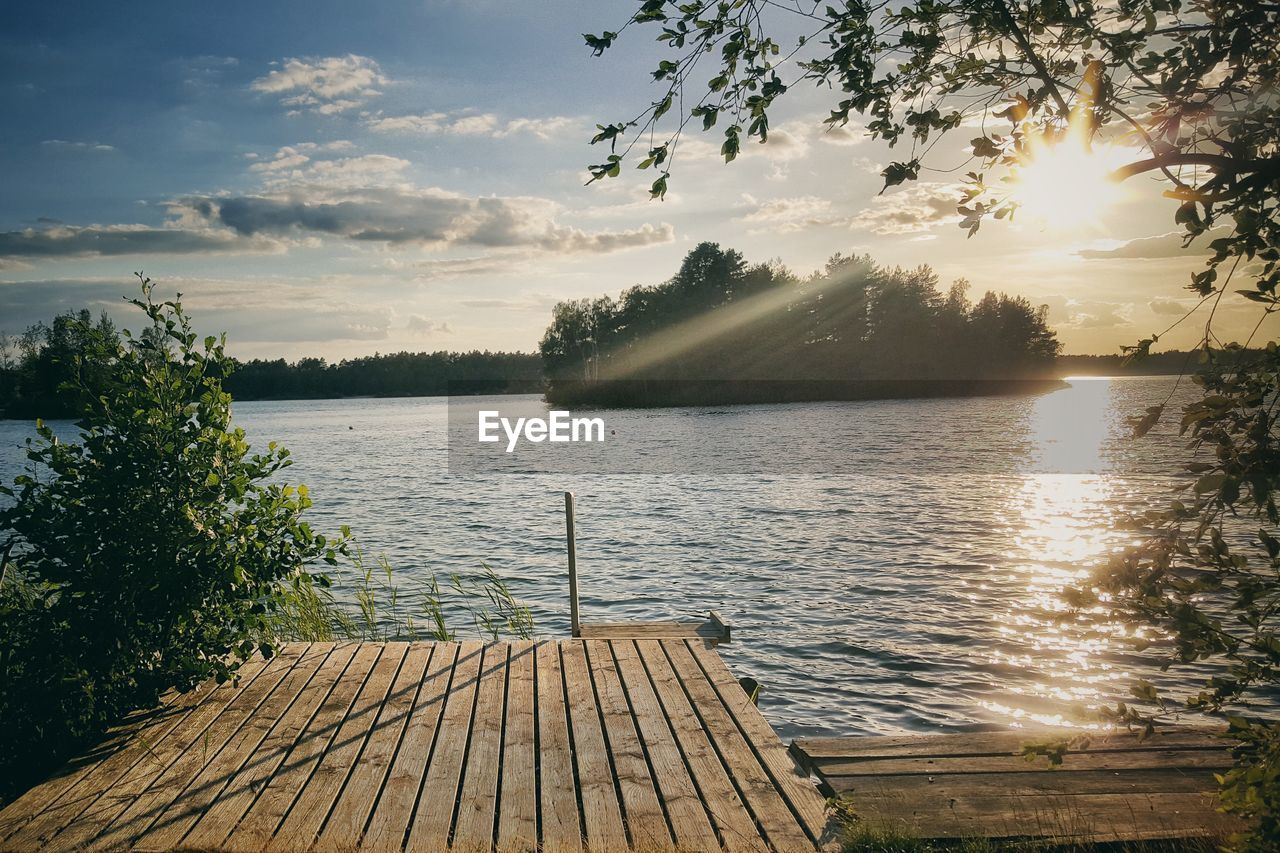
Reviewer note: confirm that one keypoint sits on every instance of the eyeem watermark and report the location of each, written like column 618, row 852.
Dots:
column 558, row 427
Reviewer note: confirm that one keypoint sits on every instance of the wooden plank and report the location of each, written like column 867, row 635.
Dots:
column 394, row 809
column 434, row 816
column 1150, row 781
column 350, row 814
column 685, row 809
column 88, row 788
column 781, row 827
column 1171, row 759
column 478, row 800
column 561, row 830
column 999, row 743
column 310, row 810
column 239, row 795
column 799, row 793
column 735, row 825
column 118, row 797
column 255, row 830
column 601, row 809
column 518, row 804
column 175, row 821
column 163, row 791
column 46, row 794
column 1092, row 817
column 725, row 631
column 646, row 823
column 653, row 630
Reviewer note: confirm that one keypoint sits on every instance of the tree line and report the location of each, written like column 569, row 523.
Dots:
column 401, row 374
column 39, row 371
column 722, row 318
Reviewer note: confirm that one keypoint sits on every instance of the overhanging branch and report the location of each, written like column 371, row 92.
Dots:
column 1220, row 163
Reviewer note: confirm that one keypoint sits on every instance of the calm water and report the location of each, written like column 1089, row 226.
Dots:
column 913, row 590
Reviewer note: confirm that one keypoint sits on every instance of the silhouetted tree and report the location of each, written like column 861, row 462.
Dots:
column 721, row 318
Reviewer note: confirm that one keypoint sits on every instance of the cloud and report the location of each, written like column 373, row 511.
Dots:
column 472, row 124
column 788, row 142
column 1170, row 307
column 326, row 86
column 29, row 302
column 445, row 268
column 288, row 157
column 785, row 215
column 421, row 327
column 835, row 135
column 1169, row 245
column 1096, row 315
column 536, row 303
column 397, row 216
column 71, row 241
column 307, row 163
column 250, row 311
column 309, row 192
column 202, row 73
column 266, row 322
column 65, row 145
column 914, row 209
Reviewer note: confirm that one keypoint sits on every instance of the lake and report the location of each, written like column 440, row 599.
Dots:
column 886, row 566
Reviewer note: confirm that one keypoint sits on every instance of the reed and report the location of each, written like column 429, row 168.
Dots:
column 382, row 611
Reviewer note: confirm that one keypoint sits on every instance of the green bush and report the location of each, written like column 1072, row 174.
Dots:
column 151, row 554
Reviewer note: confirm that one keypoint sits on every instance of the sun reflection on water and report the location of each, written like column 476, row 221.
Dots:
column 1061, row 527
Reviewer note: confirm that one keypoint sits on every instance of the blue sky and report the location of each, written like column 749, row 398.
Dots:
column 335, row 179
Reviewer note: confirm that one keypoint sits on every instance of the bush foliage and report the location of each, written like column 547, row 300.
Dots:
column 153, row 553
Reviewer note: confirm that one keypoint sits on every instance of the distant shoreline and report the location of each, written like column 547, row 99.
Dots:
column 651, row 393
column 906, row 390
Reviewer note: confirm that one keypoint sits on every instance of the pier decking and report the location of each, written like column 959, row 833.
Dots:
column 1115, row 788
column 599, row 744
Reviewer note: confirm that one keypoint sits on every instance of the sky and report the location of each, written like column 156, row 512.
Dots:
column 336, row 179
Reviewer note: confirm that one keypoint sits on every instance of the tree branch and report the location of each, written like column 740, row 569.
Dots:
column 1220, row 162
column 1031, row 55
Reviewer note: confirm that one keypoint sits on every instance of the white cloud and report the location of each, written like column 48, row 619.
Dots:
column 834, row 135
column 1169, row 307
column 310, row 194
column 310, row 163
column 472, row 124
column 535, row 303
column 787, row 142
column 449, row 268
column 785, row 215
column 66, row 145
column 913, row 209
column 1096, row 315
column 330, row 85
column 421, row 327
column 1169, row 245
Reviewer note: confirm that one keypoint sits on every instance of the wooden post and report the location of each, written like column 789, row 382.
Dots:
column 575, row 628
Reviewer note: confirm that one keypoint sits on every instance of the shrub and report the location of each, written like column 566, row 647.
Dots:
column 151, row 554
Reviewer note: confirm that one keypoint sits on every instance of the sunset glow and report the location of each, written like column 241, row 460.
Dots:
column 1066, row 186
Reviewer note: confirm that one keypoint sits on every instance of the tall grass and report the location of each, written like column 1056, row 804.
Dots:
column 382, row 611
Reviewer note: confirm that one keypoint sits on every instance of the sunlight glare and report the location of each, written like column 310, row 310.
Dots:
column 1066, row 185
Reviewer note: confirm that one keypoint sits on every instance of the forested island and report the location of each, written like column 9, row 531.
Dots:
column 724, row 330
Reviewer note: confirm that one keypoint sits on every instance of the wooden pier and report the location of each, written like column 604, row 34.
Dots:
column 606, row 742
column 1115, row 787
column 597, row 744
